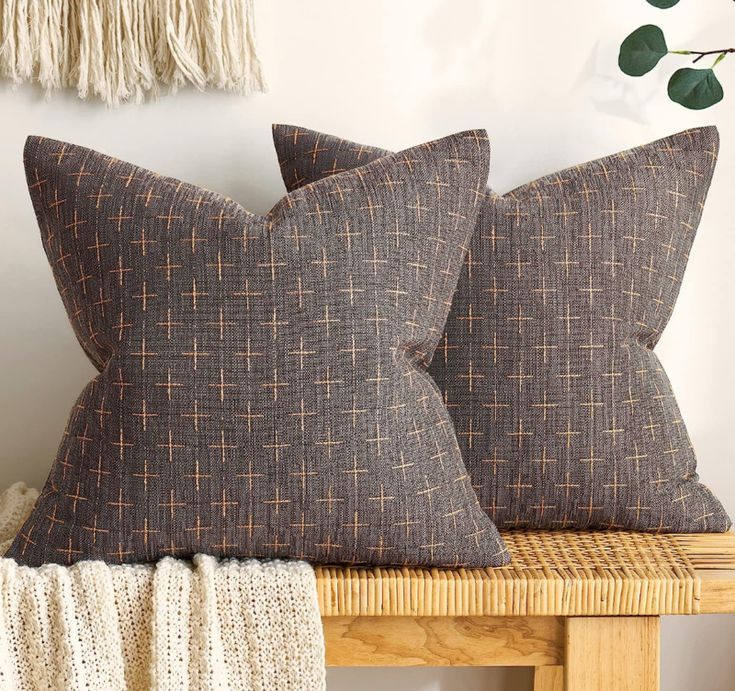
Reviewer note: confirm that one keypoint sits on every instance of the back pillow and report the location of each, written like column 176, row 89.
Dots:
column 564, row 414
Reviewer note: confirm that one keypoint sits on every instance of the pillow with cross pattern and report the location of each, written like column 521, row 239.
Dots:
column 262, row 386
column 564, row 414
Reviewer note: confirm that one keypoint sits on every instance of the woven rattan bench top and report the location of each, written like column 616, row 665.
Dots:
column 552, row 573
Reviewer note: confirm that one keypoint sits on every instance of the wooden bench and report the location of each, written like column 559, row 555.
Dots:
column 582, row 608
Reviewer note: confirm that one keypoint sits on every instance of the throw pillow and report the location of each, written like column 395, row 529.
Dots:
column 564, row 414
column 261, row 388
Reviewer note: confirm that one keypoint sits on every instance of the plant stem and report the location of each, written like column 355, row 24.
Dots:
column 702, row 53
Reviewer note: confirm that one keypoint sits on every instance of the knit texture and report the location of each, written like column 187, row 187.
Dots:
column 211, row 625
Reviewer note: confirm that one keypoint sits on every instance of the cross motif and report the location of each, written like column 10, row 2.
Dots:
column 222, row 385
column 275, row 384
column 119, row 218
column 172, row 505
column 319, row 213
column 355, row 471
column 67, row 551
column 328, row 442
column 567, row 485
column 330, row 500
column 169, row 218
column 520, row 376
column 519, row 487
column 378, row 439
column 196, row 415
column 198, row 528
column 74, row 225
column 197, row 476
column 469, row 318
column 195, row 353
column 223, row 504
column 355, row 526
column 277, row 502
column 328, row 546
column 327, row 382
column 119, row 504
column 520, row 318
column 418, row 207
column 168, row 267
column 470, row 433
column 471, row 376
column 26, row 537
column 222, row 446
column 144, row 415
column 194, row 294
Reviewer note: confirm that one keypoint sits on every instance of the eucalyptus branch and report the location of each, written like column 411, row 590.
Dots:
column 692, row 87
column 703, row 53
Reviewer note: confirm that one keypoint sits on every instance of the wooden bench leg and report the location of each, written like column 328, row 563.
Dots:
column 548, row 678
column 612, row 654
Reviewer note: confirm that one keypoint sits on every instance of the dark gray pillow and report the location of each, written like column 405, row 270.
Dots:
column 262, row 387
column 564, row 414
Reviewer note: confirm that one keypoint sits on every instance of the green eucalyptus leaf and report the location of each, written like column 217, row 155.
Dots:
column 641, row 51
column 663, row 4
column 695, row 89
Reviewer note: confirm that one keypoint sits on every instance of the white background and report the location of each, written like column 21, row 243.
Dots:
column 540, row 76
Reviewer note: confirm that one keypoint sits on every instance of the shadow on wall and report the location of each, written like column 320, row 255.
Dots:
column 460, row 65
column 475, row 70
column 430, row 679
column 612, row 93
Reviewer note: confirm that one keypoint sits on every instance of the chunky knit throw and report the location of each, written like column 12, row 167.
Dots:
column 176, row 625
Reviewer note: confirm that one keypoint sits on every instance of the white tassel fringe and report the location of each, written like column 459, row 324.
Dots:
column 128, row 50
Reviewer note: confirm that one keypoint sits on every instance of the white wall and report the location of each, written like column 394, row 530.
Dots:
column 540, row 76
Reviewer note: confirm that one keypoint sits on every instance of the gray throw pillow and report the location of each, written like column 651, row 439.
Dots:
column 564, row 414
column 262, row 388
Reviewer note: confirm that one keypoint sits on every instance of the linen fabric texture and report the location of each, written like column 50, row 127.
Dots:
column 262, row 388
column 564, row 414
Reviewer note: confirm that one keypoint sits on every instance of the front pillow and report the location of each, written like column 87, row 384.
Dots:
column 261, row 387
column 564, row 414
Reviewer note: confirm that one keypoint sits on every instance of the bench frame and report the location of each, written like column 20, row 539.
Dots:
column 533, row 615
column 572, row 653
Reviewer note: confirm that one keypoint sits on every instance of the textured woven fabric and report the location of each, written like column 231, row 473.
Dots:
column 243, row 625
column 262, row 390
column 564, row 414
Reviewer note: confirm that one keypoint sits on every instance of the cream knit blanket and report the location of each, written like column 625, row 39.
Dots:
column 207, row 625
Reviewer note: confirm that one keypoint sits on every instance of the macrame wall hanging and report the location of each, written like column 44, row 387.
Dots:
column 130, row 50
